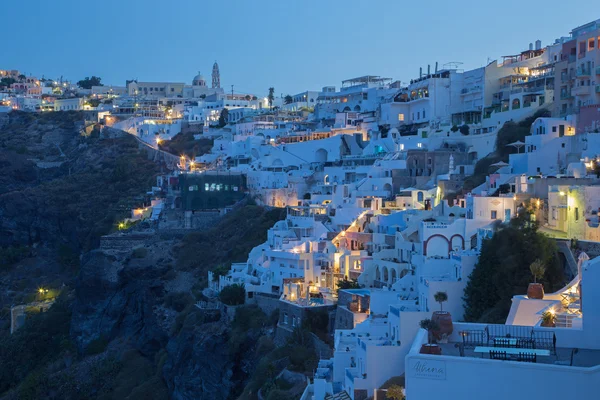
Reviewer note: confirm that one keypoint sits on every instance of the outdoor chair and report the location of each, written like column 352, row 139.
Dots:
column 527, row 357
column 526, row 343
column 498, row 355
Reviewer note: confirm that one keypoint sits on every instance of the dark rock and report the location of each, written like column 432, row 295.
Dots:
column 112, row 301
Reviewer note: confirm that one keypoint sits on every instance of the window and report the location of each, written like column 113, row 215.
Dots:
column 285, row 318
column 400, row 117
column 423, row 113
column 554, row 129
column 293, row 321
column 576, row 213
column 561, row 130
column 494, row 214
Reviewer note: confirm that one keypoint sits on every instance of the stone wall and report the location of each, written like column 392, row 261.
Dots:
column 344, row 318
column 123, row 242
column 267, row 303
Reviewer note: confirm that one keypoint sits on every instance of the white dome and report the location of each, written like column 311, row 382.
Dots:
column 199, row 80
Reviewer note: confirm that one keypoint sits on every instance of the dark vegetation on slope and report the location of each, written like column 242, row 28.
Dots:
column 61, row 191
column 503, row 269
column 509, row 133
column 108, row 339
column 228, row 242
column 185, row 144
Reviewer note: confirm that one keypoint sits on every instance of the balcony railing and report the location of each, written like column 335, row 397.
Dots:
column 583, row 72
column 566, row 95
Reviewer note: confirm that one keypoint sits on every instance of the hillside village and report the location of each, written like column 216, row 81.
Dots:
column 395, row 194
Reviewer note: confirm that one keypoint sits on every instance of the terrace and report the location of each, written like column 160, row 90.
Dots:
column 515, row 343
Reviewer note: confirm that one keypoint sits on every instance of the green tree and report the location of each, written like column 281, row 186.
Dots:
column 502, row 270
column 430, row 326
column 6, row 82
column 347, row 284
column 538, row 269
column 88, row 82
column 220, row 270
column 271, row 96
column 223, row 117
column 93, row 102
column 233, row 295
column 288, row 99
column 464, row 129
column 441, row 297
column 22, row 77
column 454, row 128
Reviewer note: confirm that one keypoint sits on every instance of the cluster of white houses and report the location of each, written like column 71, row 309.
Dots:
column 365, row 178
column 368, row 175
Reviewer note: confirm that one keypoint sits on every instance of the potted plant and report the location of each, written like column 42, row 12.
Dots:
column 430, row 347
column 536, row 290
column 442, row 318
column 548, row 318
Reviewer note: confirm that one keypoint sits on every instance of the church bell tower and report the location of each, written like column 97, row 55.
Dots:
column 216, row 77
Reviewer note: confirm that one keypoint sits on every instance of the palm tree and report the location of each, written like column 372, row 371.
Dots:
column 441, row 297
column 271, row 96
column 538, row 269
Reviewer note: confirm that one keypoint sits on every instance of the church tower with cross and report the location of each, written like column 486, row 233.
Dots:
column 216, row 77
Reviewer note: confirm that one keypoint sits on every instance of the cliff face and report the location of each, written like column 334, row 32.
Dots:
column 62, row 186
column 199, row 364
column 129, row 311
column 113, row 301
column 121, row 300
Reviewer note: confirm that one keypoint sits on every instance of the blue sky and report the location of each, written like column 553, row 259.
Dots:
column 288, row 44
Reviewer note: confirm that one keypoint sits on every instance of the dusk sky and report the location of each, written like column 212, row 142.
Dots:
column 290, row 45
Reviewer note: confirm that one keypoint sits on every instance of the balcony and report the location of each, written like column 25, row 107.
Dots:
column 582, row 72
column 566, row 95
column 581, row 90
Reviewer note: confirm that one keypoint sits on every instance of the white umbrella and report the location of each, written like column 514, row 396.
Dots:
column 518, row 144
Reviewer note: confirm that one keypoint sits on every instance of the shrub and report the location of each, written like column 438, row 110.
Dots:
column 277, row 394
column 97, row 346
column 36, row 343
column 233, row 295
column 464, row 129
column 264, row 345
column 140, row 252
column 395, row 392
column 178, row 301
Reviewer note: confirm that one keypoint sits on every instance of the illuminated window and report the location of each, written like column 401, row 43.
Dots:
column 400, row 117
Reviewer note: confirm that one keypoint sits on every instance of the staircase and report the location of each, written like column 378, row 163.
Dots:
column 563, row 247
